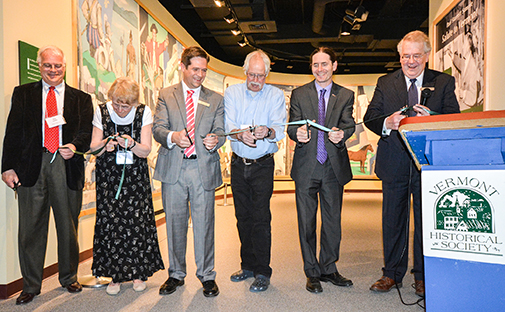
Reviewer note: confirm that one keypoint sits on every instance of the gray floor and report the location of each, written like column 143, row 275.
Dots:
column 361, row 261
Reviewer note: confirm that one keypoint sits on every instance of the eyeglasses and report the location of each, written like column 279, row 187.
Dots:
column 122, row 107
column 416, row 57
column 254, row 76
column 49, row 66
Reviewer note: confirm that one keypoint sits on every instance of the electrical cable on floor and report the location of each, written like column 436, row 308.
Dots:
column 417, row 302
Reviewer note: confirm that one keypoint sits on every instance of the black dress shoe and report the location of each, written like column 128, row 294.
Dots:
column 210, row 289
column 314, row 285
column 74, row 287
column 336, row 279
column 25, row 297
column 170, row 286
column 241, row 275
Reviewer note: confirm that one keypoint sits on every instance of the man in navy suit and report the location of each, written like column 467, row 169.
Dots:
column 40, row 183
column 394, row 166
column 321, row 166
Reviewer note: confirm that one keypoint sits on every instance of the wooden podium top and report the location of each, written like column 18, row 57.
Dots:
column 454, row 121
column 445, row 139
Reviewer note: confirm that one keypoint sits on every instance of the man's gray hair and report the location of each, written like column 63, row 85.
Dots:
column 55, row 49
column 261, row 54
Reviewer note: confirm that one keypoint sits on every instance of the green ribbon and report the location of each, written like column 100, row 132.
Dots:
column 112, row 137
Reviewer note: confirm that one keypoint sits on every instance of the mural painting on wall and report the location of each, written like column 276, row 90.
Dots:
column 459, row 51
column 362, row 145
column 117, row 38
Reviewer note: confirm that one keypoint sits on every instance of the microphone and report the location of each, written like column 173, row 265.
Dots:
column 426, row 94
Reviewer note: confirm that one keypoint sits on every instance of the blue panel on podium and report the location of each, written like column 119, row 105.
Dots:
column 462, row 162
column 473, row 286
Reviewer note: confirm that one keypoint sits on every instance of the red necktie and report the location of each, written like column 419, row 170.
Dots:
column 190, row 122
column 51, row 135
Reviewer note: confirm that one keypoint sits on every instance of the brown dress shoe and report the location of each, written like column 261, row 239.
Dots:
column 419, row 285
column 74, row 287
column 384, row 284
column 25, row 298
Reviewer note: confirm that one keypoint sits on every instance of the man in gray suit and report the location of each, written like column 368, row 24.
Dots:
column 321, row 165
column 189, row 123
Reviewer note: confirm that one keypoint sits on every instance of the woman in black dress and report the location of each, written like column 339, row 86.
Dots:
column 125, row 245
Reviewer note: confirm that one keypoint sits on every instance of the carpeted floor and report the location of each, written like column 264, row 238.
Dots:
column 360, row 260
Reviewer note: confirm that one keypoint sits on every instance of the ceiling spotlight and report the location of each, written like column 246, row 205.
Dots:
column 220, row 3
column 345, row 29
column 229, row 18
column 242, row 43
column 236, row 31
column 361, row 14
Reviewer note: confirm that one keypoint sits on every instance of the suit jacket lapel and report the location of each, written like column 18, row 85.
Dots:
column 201, row 109
column 68, row 107
column 37, row 102
column 331, row 102
column 180, row 99
column 401, row 88
column 313, row 102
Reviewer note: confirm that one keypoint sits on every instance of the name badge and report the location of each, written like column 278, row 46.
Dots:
column 124, row 157
column 55, row 121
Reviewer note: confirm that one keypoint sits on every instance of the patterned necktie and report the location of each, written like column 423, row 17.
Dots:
column 190, row 123
column 412, row 96
column 51, row 135
column 321, row 149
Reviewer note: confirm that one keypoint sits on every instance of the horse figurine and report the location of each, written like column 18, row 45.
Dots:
column 360, row 156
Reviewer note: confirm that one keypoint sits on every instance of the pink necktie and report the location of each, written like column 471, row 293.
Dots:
column 190, row 123
column 51, row 135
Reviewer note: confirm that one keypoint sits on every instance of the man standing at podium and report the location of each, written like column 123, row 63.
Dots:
column 411, row 85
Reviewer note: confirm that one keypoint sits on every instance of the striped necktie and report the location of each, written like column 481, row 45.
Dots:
column 190, row 123
column 321, row 149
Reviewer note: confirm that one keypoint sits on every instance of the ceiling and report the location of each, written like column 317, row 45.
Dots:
column 288, row 31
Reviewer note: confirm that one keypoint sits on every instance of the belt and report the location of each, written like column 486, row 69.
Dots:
column 248, row 161
column 190, row 157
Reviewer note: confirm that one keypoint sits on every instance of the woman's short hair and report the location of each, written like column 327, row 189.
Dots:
column 124, row 90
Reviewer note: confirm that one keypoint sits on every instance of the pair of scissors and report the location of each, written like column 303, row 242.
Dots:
column 187, row 134
column 15, row 188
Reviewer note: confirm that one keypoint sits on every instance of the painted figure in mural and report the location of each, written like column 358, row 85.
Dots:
column 125, row 244
column 92, row 12
column 249, row 104
column 400, row 177
column 189, row 125
column 131, row 58
column 321, row 167
column 153, row 72
column 43, row 183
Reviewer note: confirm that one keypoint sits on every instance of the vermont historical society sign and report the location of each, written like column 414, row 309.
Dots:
column 464, row 214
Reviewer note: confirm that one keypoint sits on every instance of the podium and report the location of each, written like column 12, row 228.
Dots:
column 462, row 163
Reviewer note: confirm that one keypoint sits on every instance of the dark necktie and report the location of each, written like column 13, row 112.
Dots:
column 51, row 135
column 413, row 99
column 190, row 122
column 321, row 149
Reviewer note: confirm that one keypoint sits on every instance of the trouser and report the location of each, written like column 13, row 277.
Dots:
column 35, row 204
column 252, row 186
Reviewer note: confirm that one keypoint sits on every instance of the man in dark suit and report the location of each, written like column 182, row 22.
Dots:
column 321, row 165
column 27, row 167
column 394, row 166
column 189, row 169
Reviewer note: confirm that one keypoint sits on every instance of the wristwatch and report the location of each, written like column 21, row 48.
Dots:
column 269, row 133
